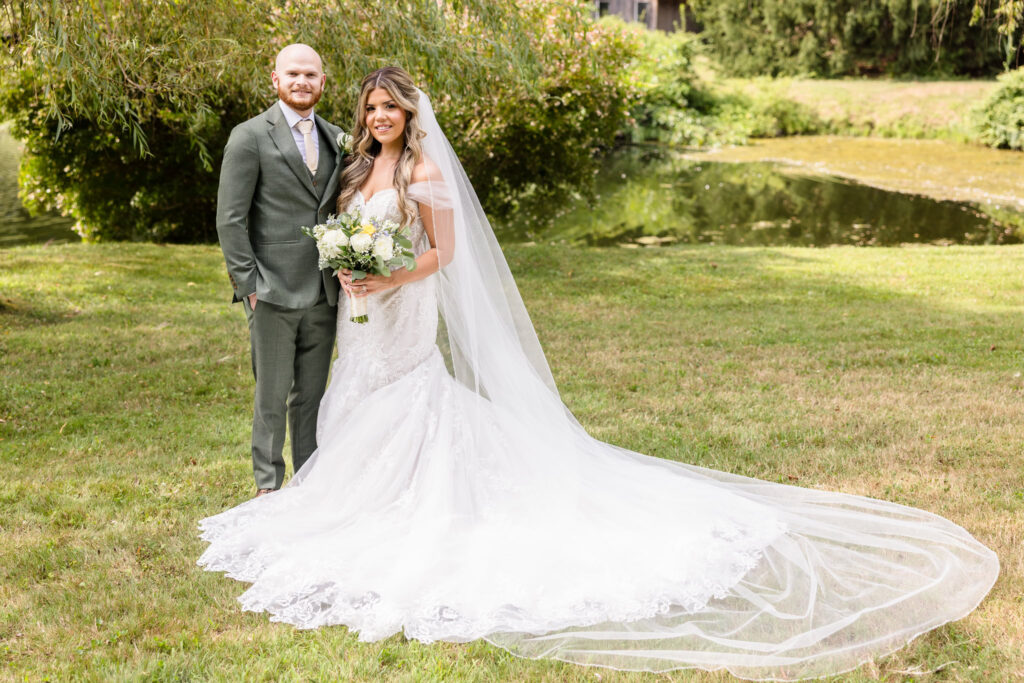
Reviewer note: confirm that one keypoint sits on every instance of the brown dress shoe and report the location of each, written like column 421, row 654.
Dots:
column 263, row 492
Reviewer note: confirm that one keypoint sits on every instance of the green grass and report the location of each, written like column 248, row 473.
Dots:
column 878, row 106
column 125, row 395
column 990, row 178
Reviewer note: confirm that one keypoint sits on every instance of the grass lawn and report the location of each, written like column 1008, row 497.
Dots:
column 880, row 106
column 125, row 407
column 939, row 169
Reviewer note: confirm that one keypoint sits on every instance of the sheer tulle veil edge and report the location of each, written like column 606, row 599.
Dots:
column 852, row 578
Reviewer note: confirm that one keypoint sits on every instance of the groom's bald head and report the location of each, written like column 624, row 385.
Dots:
column 299, row 77
column 298, row 52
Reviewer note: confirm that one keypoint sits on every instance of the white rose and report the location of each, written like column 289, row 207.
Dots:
column 384, row 248
column 331, row 243
column 345, row 141
column 361, row 242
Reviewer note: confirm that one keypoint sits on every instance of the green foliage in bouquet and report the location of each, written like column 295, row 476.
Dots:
column 999, row 120
column 364, row 246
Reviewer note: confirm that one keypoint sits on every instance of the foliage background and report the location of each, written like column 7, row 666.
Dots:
column 124, row 107
column 860, row 37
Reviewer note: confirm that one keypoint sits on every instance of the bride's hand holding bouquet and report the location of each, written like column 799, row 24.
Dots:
column 371, row 284
column 364, row 251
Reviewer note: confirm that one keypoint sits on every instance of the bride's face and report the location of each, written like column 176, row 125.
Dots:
column 384, row 118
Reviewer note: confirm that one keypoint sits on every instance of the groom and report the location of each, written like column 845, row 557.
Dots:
column 280, row 172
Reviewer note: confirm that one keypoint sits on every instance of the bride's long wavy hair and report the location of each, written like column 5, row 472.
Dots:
column 365, row 148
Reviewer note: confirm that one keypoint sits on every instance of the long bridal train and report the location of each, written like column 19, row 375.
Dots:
column 458, row 524
column 464, row 503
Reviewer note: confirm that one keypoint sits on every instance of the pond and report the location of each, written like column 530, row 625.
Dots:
column 16, row 225
column 651, row 196
column 648, row 196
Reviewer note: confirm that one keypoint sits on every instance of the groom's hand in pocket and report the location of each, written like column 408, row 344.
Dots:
column 252, row 301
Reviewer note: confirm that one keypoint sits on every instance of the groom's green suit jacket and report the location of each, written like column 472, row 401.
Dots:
column 266, row 195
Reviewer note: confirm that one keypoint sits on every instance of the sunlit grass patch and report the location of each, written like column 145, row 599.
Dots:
column 939, row 169
column 879, row 106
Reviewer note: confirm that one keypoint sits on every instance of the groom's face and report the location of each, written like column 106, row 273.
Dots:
column 299, row 79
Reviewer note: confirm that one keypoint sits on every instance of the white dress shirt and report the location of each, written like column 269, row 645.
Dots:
column 292, row 118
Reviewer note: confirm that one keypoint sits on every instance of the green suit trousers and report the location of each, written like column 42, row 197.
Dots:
column 291, row 357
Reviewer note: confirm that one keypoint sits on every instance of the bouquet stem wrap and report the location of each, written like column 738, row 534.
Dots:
column 357, row 309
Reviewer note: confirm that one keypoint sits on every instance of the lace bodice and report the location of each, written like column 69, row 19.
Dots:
column 402, row 329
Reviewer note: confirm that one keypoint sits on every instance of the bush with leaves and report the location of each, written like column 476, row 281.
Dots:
column 672, row 105
column 124, row 108
column 999, row 121
column 669, row 103
column 121, row 110
column 537, row 142
column 766, row 113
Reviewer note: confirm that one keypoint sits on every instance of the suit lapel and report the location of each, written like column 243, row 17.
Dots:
column 332, row 142
column 282, row 137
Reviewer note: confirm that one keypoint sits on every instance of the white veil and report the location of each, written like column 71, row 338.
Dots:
column 492, row 341
column 848, row 578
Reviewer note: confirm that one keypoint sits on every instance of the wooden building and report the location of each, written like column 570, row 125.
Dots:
column 663, row 15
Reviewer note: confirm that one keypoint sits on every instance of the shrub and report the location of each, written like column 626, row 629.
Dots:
column 537, row 143
column 669, row 101
column 999, row 121
column 94, row 171
column 673, row 105
column 765, row 114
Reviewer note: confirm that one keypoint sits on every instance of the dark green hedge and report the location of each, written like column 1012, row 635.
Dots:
column 851, row 37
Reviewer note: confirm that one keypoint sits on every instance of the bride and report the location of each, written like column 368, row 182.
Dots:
column 454, row 497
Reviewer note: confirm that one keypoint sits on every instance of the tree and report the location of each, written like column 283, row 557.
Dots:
column 124, row 107
column 1008, row 16
column 843, row 37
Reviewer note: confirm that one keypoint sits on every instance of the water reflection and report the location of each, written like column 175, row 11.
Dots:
column 650, row 196
column 16, row 225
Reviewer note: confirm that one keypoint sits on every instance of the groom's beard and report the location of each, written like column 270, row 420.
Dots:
column 287, row 98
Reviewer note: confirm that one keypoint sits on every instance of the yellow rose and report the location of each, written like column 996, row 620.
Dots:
column 367, row 229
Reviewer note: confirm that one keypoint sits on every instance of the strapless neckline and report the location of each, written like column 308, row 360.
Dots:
column 367, row 200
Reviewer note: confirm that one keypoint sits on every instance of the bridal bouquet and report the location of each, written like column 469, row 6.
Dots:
column 362, row 245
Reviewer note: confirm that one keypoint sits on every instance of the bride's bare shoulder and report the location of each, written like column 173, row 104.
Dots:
column 426, row 171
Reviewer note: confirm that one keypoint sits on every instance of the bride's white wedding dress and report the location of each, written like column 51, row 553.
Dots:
column 434, row 509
